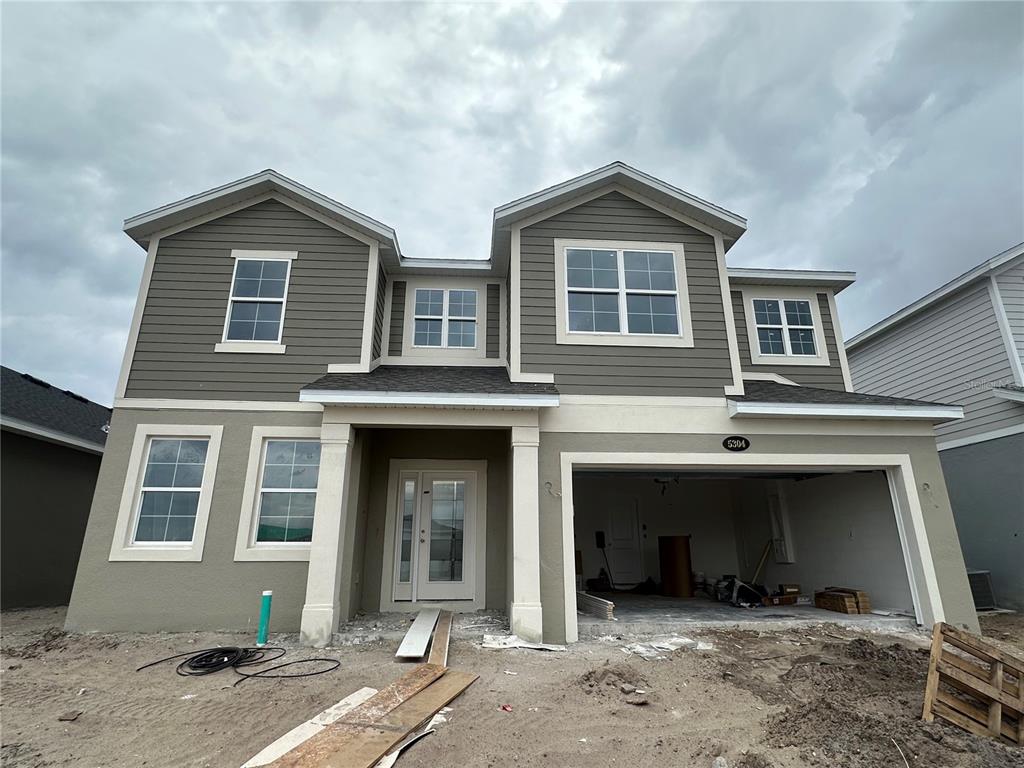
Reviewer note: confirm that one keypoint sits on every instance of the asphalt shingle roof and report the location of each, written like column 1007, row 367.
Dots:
column 26, row 398
column 773, row 392
column 431, row 379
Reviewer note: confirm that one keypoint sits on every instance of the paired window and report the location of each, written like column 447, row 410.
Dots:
column 445, row 318
column 784, row 327
column 287, row 498
column 622, row 291
column 256, row 305
column 171, row 486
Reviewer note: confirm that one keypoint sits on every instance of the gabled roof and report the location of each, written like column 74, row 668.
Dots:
column 983, row 270
column 815, row 278
column 143, row 226
column 34, row 407
column 731, row 225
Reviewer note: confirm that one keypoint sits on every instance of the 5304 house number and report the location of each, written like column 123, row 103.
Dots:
column 736, row 443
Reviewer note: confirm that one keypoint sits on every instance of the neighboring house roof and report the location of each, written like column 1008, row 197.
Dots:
column 815, row 278
column 1009, row 392
column 430, row 385
column 32, row 406
column 979, row 272
column 769, row 398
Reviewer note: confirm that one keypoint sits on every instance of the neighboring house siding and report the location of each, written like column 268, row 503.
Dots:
column 188, row 298
column 493, row 320
column 585, row 369
column 1011, row 288
column 824, row 376
column 378, row 314
column 395, row 338
column 45, row 496
column 950, row 353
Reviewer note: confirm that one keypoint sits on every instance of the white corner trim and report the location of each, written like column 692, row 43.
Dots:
column 140, row 308
column 246, row 549
column 837, row 331
column 470, row 400
column 370, row 307
column 684, row 338
column 250, row 347
column 845, row 410
column 984, row 437
column 263, row 255
column 778, row 379
column 730, row 318
column 999, row 308
column 1009, row 394
column 121, row 547
column 355, row 367
column 158, row 404
column 782, row 293
column 49, row 435
column 515, row 321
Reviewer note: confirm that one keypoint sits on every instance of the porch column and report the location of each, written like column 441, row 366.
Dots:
column 525, row 613
column 323, row 581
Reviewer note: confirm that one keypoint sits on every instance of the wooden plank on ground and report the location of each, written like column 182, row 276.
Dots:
column 933, row 673
column 348, row 729
column 439, row 644
column 595, row 606
column 414, row 644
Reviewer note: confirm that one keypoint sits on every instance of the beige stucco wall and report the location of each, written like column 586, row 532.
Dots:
column 217, row 593
column 938, row 518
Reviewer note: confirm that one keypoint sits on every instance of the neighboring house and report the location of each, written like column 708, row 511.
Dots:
column 964, row 343
column 304, row 408
column 50, row 449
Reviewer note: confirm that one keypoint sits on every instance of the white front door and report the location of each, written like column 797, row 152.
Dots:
column 624, row 552
column 435, row 536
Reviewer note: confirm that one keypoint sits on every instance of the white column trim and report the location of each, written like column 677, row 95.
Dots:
column 837, row 332
column 730, row 318
column 526, row 613
column 140, row 308
column 1003, row 321
column 370, row 308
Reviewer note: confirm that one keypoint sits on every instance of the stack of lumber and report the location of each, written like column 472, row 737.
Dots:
column 975, row 685
column 843, row 600
column 432, row 628
column 595, row 606
column 863, row 601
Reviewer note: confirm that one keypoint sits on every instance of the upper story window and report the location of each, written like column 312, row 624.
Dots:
column 784, row 326
column 445, row 318
column 256, row 304
column 622, row 293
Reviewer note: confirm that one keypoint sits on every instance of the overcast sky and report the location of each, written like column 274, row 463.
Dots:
column 885, row 139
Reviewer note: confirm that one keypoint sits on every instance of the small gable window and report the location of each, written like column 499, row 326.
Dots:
column 784, row 327
column 445, row 318
column 256, row 301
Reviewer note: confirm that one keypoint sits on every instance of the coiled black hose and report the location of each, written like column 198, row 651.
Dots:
column 210, row 660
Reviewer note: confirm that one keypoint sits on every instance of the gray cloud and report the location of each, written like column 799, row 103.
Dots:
column 884, row 138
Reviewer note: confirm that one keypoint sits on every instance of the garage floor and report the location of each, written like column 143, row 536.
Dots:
column 644, row 614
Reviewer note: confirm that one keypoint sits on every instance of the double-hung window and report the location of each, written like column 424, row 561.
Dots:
column 288, row 491
column 784, row 327
column 445, row 318
column 622, row 294
column 259, row 289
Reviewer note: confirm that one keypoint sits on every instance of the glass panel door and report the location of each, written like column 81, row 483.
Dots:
column 447, row 529
column 445, row 560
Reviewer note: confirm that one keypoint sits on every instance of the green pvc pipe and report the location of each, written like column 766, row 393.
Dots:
column 261, row 633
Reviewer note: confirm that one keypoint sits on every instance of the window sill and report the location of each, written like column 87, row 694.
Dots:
column 624, row 340
column 777, row 360
column 268, row 553
column 190, row 553
column 251, row 347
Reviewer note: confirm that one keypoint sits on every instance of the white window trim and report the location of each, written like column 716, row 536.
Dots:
column 622, row 338
column 122, row 548
column 256, row 346
column 780, row 294
column 445, row 317
column 445, row 355
column 246, row 548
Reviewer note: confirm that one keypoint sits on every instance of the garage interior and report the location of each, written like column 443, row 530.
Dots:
column 664, row 539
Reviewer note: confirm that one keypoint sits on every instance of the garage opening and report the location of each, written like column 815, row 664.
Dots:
column 669, row 546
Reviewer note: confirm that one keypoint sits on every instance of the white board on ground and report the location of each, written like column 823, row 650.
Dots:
column 311, row 727
column 414, row 645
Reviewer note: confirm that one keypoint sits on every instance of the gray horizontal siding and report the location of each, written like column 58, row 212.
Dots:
column 493, row 320
column 952, row 352
column 1011, row 288
column 395, row 337
column 589, row 369
column 378, row 312
column 823, row 376
column 188, row 297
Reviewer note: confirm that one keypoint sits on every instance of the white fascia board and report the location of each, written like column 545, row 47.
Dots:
column 450, row 399
column 802, row 277
column 50, row 435
column 844, row 411
column 954, row 285
column 1015, row 395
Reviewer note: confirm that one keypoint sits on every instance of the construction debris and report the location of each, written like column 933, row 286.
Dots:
column 656, row 650
column 595, row 606
column 977, row 686
column 414, row 645
column 513, row 641
column 439, row 640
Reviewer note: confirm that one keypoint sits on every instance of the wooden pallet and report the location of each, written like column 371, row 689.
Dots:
column 975, row 685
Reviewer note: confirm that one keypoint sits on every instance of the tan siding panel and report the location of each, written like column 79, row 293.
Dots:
column 188, row 298
column 397, row 318
column 378, row 313
column 493, row 320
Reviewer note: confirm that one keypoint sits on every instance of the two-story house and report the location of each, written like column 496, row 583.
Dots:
column 305, row 408
column 964, row 343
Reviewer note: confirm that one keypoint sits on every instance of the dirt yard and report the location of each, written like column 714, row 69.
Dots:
column 821, row 697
